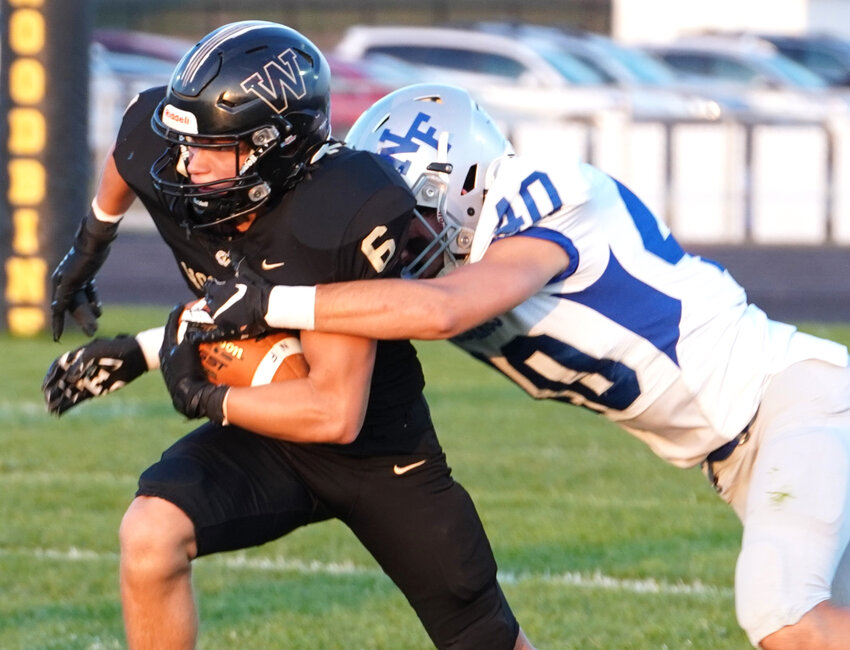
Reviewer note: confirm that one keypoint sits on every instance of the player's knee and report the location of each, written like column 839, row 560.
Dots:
column 156, row 538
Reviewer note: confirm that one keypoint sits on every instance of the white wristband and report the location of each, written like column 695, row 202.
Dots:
column 101, row 215
column 292, row 308
column 151, row 341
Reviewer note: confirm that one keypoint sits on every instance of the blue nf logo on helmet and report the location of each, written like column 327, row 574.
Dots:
column 418, row 134
column 285, row 77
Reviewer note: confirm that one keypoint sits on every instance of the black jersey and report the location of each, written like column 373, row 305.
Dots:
column 345, row 220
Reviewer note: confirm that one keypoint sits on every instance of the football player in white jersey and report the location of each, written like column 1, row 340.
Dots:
column 560, row 278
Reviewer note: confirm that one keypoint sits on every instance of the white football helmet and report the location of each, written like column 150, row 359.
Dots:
column 443, row 143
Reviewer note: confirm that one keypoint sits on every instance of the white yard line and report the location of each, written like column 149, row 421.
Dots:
column 238, row 561
column 116, row 409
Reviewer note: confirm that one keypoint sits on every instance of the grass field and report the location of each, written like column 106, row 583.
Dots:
column 600, row 544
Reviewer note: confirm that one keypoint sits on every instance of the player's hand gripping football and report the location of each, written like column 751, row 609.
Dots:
column 97, row 368
column 74, row 289
column 191, row 393
column 237, row 306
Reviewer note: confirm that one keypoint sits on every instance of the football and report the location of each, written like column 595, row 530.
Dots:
column 272, row 357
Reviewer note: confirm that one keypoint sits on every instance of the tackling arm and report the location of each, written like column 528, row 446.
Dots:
column 510, row 272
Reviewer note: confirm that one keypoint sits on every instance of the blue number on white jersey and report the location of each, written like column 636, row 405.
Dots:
column 657, row 340
column 622, row 388
column 510, row 222
column 613, row 295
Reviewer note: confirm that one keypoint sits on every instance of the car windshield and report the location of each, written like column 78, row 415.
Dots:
column 646, row 68
column 796, row 74
column 572, row 69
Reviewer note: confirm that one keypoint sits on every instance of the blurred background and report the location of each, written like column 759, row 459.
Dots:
column 730, row 119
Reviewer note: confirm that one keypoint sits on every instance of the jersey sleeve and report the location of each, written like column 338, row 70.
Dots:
column 135, row 129
column 531, row 200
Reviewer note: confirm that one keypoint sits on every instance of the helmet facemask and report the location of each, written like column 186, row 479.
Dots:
column 211, row 204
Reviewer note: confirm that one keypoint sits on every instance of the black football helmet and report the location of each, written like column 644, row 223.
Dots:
column 252, row 84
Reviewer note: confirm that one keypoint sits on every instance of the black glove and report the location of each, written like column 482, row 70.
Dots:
column 237, row 305
column 97, row 368
column 74, row 289
column 191, row 393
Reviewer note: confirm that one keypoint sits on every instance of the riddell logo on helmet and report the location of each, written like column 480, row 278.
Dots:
column 179, row 120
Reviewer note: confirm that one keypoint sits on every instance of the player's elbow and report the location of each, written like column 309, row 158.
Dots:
column 340, row 433
column 339, row 427
column 443, row 324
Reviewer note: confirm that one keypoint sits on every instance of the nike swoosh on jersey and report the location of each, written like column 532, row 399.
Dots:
column 399, row 470
column 268, row 266
column 236, row 297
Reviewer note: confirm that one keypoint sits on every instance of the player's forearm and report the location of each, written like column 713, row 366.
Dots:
column 328, row 405
column 438, row 308
column 113, row 196
column 385, row 309
column 296, row 412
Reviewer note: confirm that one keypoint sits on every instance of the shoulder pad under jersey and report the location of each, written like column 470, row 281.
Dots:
column 139, row 110
column 345, row 197
column 351, row 214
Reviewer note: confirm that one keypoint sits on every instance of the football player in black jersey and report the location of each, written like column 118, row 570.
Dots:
column 240, row 170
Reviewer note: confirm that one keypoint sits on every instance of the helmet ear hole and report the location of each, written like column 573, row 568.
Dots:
column 469, row 181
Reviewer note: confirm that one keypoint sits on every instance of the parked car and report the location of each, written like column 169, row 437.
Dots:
column 532, row 76
column 826, row 55
column 729, row 59
column 473, row 56
column 772, row 84
column 654, row 89
column 354, row 88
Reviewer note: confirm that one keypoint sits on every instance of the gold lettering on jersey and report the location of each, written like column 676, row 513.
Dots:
column 222, row 257
column 196, row 278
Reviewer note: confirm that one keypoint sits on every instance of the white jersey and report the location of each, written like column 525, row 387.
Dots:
column 657, row 340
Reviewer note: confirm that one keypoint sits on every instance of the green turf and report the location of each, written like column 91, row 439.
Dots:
column 600, row 544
